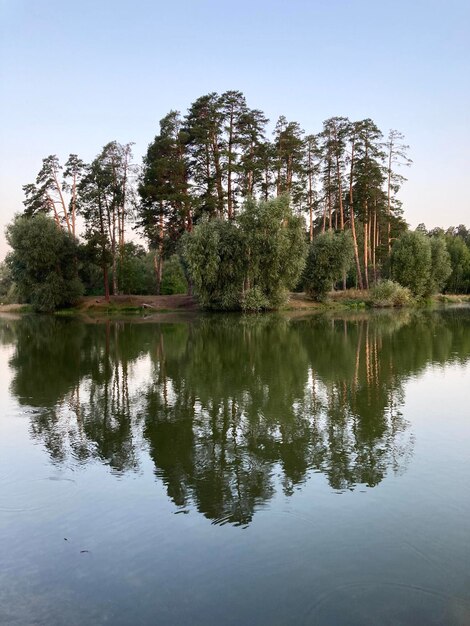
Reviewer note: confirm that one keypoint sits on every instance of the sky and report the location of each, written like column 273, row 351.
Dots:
column 77, row 74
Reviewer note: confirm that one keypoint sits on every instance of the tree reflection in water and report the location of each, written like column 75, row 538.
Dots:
column 225, row 405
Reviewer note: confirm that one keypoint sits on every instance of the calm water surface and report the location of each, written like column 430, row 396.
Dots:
column 222, row 470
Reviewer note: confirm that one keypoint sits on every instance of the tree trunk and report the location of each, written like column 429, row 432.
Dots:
column 389, row 197
column 353, row 221
column 230, row 210
column 366, row 253
column 310, row 195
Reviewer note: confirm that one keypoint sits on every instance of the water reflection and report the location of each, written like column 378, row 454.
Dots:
column 230, row 409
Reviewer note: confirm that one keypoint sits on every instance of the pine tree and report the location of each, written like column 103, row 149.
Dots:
column 164, row 211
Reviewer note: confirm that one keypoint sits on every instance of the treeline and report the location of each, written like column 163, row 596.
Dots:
column 208, row 166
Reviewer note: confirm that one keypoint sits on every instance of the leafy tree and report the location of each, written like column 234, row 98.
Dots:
column 262, row 249
column 43, row 263
column 7, row 286
column 174, row 280
column 441, row 267
column 275, row 247
column 329, row 257
column 459, row 279
column 411, row 262
column 215, row 256
column 136, row 275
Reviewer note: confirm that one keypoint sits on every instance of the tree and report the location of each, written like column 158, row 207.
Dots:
column 441, row 267
column 252, row 125
column 74, row 170
column 459, row 279
column 329, row 257
column 368, row 192
column 164, row 211
column 47, row 194
column 312, row 168
column 353, row 134
column 103, row 200
column 215, row 256
column 333, row 138
column 411, row 262
column 396, row 157
column 275, row 246
column 43, row 263
column 7, row 286
column 206, row 146
column 289, row 154
column 262, row 249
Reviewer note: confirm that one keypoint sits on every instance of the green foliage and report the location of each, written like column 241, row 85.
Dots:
column 174, row 280
column 43, row 263
column 254, row 301
column 263, row 248
column 135, row 270
column 441, row 267
column 388, row 293
column 421, row 263
column 459, row 279
column 411, row 262
column 214, row 253
column 7, row 286
column 329, row 257
column 275, row 247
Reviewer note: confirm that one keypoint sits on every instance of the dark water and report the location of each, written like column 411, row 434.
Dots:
column 221, row 470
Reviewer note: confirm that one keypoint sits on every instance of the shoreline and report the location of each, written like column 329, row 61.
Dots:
column 132, row 305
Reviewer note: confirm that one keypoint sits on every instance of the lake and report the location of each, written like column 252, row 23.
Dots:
column 236, row 470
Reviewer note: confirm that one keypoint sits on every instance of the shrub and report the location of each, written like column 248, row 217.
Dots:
column 388, row 293
column 254, row 301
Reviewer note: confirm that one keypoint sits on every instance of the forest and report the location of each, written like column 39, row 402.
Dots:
column 234, row 210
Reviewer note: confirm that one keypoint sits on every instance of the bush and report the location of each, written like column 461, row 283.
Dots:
column 388, row 293
column 329, row 258
column 254, row 301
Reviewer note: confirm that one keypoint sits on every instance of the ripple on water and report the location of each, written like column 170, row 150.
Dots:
column 29, row 495
column 386, row 602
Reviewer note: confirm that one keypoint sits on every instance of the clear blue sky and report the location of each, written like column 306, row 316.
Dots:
column 77, row 74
